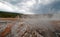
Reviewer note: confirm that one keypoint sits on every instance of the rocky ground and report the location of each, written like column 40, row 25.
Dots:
column 29, row 28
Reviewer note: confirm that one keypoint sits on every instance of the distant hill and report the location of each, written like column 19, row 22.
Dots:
column 4, row 14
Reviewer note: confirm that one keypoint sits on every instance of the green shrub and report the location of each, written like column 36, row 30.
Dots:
column 8, row 14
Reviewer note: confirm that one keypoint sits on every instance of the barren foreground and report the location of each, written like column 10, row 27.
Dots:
column 29, row 28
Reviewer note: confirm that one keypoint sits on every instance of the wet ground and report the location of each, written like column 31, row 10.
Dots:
column 29, row 28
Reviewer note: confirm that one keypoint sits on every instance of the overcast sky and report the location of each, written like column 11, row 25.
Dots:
column 30, row 6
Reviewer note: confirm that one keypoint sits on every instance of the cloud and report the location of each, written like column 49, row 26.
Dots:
column 5, row 7
column 25, row 6
column 34, row 6
column 43, row 8
column 39, row 6
column 56, row 6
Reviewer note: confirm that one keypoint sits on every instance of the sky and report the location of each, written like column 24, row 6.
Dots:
column 30, row 6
